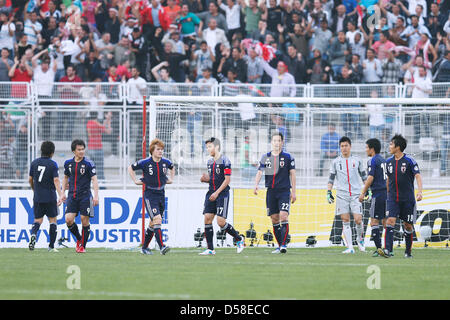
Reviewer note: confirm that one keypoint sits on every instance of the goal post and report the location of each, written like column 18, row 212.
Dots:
column 244, row 124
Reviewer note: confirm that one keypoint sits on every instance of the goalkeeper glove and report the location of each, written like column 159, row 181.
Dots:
column 368, row 196
column 330, row 197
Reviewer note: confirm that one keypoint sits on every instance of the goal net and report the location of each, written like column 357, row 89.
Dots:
column 312, row 127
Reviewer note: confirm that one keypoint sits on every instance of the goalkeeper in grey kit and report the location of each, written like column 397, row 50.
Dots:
column 348, row 171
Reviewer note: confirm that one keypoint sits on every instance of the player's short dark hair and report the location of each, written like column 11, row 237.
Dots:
column 214, row 141
column 399, row 141
column 47, row 149
column 77, row 142
column 277, row 133
column 374, row 144
column 345, row 139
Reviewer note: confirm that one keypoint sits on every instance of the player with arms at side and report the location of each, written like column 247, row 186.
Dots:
column 155, row 169
column 217, row 197
column 279, row 170
column 79, row 172
column 376, row 184
column 348, row 170
column 401, row 202
column 44, row 181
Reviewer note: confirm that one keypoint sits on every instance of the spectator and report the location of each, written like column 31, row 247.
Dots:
column 5, row 65
column 20, row 72
column 254, row 67
column 237, row 63
column 69, row 92
column 230, row 88
column 7, row 31
column 253, row 14
column 95, row 146
column 442, row 69
column 338, row 52
column 213, row 13
column 172, row 10
column 356, row 68
column 283, row 83
column 260, row 34
column 440, row 16
column 391, row 67
column 122, row 52
column 372, row 68
column 295, row 64
column 204, row 57
column 207, row 82
column 318, row 69
column 422, row 88
column 412, row 69
column 317, row 15
column 7, row 139
column 322, row 37
column 341, row 20
column 157, row 16
column 49, row 31
column 127, row 27
column 299, row 40
column 112, row 24
column 233, row 17
column 33, row 28
column 188, row 21
column 139, row 48
column 376, row 117
column 350, row 121
column 43, row 77
column 162, row 75
column 213, row 35
column 174, row 60
column 105, row 50
column 329, row 146
column 382, row 46
column 413, row 31
column 248, row 167
column 22, row 46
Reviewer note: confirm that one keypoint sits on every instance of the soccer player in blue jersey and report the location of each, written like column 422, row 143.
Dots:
column 217, row 197
column 375, row 185
column 79, row 172
column 401, row 202
column 158, row 172
column 44, row 181
column 279, row 170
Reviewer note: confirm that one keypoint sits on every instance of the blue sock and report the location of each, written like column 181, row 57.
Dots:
column 376, row 236
column 389, row 240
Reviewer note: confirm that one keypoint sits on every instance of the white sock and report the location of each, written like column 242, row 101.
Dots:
column 347, row 232
column 359, row 231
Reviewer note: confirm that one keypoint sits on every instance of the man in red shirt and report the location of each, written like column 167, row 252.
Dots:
column 70, row 92
column 20, row 72
column 95, row 146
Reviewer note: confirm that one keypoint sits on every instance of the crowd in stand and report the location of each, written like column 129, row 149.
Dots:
column 315, row 41
column 210, row 42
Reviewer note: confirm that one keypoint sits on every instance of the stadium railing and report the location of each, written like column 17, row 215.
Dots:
column 63, row 116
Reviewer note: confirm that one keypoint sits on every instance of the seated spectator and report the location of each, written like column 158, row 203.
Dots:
column 329, row 146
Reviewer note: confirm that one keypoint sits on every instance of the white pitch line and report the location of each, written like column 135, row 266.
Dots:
column 100, row 293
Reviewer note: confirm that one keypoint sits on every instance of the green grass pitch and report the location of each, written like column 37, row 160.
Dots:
column 307, row 273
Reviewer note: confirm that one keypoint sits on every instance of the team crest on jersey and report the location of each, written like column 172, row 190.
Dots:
column 268, row 163
column 403, row 168
column 218, row 170
column 154, row 210
column 82, row 170
column 282, row 163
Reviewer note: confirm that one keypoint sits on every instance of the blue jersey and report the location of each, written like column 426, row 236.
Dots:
column 155, row 173
column 80, row 175
column 43, row 171
column 401, row 174
column 277, row 170
column 377, row 169
column 217, row 170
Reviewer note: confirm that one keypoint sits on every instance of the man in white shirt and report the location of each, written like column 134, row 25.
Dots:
column 7, row 30
column 422, row 88
column 233, row 16
column 283, row 83
column 32, row 29
column 213, row 35
column 136, row 87
column 372, row 70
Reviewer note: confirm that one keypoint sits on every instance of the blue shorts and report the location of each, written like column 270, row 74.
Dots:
column 405, row 210
column 84, row 206
column 41, row 209
column 218, row 207
column 278, row 200
column 155, row 204
column 378, row 208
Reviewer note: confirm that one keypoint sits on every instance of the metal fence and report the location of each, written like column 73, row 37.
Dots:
column 29, row 118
